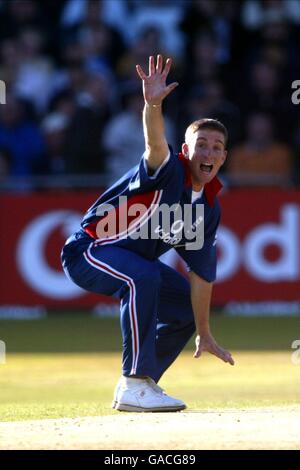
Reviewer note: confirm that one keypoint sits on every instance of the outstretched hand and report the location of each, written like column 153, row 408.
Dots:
column 155, row 88
column 207, row 343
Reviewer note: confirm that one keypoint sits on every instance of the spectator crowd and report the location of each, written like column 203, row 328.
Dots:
column 74, row 101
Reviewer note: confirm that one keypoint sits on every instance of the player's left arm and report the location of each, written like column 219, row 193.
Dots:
column 201, row 292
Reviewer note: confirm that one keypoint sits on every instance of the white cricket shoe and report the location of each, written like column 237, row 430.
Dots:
column 116, row 391
column 121, row 381
column 144, row 395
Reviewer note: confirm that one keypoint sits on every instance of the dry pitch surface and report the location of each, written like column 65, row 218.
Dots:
column 254, row 428
column 253, row 405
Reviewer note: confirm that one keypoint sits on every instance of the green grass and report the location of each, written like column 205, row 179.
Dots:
column 83, row 333
column 67, row 366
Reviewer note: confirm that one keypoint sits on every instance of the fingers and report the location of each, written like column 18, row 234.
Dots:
column 158, row 69
column 221, row 354
column 230, row 360
column 214, row 349
column 197, row 353
column 171, row 87
column 199, row 347
column 167, row 67
column 151, row 65
column 224, row 355
column 141, row 72
column 159, row 63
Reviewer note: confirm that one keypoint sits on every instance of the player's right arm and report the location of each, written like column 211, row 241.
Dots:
column 201, row 291
column 155, row 91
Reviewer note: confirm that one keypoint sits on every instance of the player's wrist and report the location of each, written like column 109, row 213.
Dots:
column 203, row 331
column 153, row 105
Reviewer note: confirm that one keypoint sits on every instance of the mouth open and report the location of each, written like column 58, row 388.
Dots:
column 206, row 168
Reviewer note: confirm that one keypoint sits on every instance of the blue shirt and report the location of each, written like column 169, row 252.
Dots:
column 26, row 146
column 170, row 184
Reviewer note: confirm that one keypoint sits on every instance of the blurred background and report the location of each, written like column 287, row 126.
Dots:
column 71, row 125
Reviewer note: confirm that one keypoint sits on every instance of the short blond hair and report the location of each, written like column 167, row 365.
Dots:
column 206, row 123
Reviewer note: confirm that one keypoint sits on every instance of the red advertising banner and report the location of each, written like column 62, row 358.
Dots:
column 258, row 243
column 259, row 246
column 34, row 228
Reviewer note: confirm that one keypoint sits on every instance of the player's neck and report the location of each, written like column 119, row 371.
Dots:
column 196, row 184
column 197, row 187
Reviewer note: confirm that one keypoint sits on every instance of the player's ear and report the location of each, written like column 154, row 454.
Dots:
column 185, row 149
column 224, row 156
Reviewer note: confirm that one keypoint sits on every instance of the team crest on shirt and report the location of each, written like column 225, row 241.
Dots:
column 178, row 233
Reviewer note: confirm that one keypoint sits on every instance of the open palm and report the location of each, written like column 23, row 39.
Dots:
column 207, row 343
column 155, row 88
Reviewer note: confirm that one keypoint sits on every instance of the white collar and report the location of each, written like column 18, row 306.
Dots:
column 196, row 195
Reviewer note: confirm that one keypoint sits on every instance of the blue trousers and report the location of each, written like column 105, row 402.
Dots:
column 156, row 312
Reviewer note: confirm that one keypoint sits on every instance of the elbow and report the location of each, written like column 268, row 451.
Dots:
column 158, row 150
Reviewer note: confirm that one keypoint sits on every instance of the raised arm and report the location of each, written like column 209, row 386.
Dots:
column 155, row 90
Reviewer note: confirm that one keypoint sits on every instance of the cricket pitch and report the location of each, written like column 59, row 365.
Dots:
column 253, row 428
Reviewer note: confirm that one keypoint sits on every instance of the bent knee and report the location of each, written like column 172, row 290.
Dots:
column 150, row 274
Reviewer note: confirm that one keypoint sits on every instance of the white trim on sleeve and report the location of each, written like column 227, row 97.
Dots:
column 157, row 169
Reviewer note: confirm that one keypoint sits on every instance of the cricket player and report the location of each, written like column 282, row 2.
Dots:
column 153, row 208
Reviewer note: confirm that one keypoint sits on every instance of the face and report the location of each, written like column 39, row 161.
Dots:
column 206, row 152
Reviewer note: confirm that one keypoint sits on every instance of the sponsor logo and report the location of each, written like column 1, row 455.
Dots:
column 234, row 253
column 251, row 252
column 31, row 255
